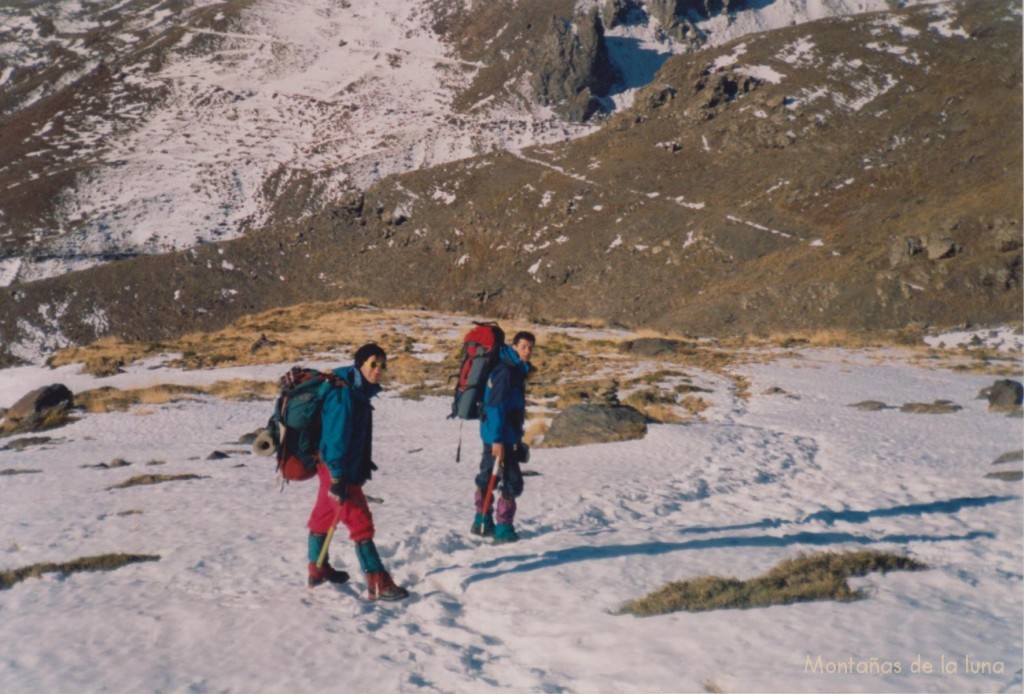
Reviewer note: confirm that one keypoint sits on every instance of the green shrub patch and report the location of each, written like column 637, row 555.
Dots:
column 801, row 579
column 102, row 562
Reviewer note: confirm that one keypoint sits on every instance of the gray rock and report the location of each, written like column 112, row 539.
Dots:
column 668, row 10
column 870, row 405
column 247, row 439
column 676, row 16
column 579, row 425
column 38, row 407
column 1004, row 394
column 940, row 246
column 903, row 249
column 353, row 202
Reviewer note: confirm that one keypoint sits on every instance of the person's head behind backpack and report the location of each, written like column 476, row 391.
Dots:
column 523, row 344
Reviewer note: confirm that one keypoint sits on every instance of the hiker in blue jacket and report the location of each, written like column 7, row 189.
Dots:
column 501, row 429
column 346, row 464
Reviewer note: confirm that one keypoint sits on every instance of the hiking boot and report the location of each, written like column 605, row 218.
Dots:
column 381, row 587
column 325, row 573
column 483, row 525
column 503, row 533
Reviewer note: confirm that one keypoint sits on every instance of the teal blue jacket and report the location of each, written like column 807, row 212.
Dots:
column 504, row 404
column 346, row 437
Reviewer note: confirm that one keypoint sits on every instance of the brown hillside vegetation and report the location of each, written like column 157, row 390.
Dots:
column 873, row 186
column 575, row 363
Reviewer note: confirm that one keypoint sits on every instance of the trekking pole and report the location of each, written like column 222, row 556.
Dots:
column 327, row 540
column 498, row 460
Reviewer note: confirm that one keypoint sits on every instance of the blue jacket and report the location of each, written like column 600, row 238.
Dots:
column 504, row 405
column 347, row 435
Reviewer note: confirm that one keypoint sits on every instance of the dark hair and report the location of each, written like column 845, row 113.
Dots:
column 370, row 349
column 524, row 335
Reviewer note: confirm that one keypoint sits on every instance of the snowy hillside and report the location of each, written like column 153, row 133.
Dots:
column 791, row 468
column 194, row 143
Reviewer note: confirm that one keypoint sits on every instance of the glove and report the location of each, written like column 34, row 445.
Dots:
column 338, row 490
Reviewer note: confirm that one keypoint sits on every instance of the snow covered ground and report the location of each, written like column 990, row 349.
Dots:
column 791, row 469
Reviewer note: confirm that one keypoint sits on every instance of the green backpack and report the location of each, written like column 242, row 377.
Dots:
column 294, row 427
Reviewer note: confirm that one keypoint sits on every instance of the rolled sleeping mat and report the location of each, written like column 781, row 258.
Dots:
column 263, row 444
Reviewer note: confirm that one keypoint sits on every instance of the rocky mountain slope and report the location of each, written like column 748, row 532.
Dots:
column 859, row 173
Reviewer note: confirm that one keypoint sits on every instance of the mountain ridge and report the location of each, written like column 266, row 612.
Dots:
column 861, row 173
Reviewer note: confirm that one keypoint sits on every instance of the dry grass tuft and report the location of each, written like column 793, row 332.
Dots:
column 108, row 399
column 570, row 369
column 742, row 385
column 831, row 337
column 102, row 562
column 802, row 579
column 245, row 390
column 694, row 404
column 153, row 479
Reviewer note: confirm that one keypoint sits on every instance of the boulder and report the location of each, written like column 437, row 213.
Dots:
column 1004, row 394
column 903, row 249
column 38, row 409
column 939, row 246
column 579, row 425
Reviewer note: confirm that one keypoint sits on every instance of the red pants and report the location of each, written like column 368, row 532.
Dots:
column 355, row 512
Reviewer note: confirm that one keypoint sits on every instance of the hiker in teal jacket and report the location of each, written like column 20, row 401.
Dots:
column 346, row 464
column 501, row 430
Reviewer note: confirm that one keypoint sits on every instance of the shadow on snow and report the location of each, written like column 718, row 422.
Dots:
column 530, row 562
column 829, row 517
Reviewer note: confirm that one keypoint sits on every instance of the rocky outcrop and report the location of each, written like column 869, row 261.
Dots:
column 617, row 12
column 571, row 69
column 579, row 425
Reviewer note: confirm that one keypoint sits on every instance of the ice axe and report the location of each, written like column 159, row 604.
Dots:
column 498, row 461
column 327, row 540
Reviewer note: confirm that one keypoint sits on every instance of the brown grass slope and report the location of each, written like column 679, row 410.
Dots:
column 719, row 204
